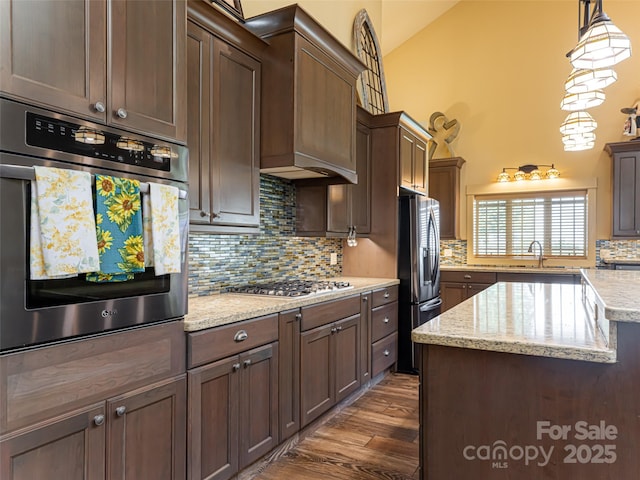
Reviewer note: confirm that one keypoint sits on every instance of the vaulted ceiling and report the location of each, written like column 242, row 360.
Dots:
column 402, row 19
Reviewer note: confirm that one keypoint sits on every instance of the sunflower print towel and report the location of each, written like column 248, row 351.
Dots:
column 118, row 229
column 62, row 231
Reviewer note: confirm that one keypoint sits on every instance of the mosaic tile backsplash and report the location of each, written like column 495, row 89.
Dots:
column 610, row 248
column 219, row 261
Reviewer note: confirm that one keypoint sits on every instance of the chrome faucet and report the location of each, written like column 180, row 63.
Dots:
column 540, row 257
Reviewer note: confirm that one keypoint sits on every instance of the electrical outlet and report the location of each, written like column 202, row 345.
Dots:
column 334, row 259
column 447, row 252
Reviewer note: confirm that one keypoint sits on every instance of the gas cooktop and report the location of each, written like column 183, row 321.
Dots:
column 291, row 288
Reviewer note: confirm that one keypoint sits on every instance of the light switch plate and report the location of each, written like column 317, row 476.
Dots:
column 334, row 259
column 447, row 252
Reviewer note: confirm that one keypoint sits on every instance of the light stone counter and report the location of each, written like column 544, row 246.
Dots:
column 538, row 319
column 619, row 292
column 222, row 309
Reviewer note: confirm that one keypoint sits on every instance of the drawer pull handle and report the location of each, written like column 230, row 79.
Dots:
column 467, row 276
column 247, row 363
column 386, row 353
column 120, row 411
column 386, row 294
column 98, row 420
column 386, row 320
column 240, row 336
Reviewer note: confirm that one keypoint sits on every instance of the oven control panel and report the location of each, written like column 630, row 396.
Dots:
column 63, row 136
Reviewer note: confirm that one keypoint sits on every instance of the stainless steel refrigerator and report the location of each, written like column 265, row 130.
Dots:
column 419, row 272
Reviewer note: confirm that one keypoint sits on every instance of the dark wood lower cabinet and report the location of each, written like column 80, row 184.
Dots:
column 232, row 413
column 137, row 435
column 329, row 366
column 70, row 447
column 289, row 373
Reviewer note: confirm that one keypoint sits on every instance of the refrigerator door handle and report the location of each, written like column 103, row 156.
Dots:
column 426, row 265
column 431, row 305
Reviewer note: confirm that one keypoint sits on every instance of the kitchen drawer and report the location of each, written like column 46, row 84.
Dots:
column 467, row 276
column 326, row 312
column 385, row 295
column 383, row 354
column 219, row 342
column 384, row 321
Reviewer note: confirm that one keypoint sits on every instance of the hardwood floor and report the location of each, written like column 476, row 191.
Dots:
column 374, row 438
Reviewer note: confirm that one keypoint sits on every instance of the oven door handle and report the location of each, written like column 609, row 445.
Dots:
column 19, row 172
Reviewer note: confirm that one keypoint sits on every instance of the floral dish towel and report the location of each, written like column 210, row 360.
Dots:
column 62, row 231
column 118, row 229
column 165, row 228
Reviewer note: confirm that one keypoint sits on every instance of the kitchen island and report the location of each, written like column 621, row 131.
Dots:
column 529, row 381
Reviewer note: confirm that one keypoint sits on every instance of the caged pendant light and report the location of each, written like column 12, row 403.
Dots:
column 601, row 44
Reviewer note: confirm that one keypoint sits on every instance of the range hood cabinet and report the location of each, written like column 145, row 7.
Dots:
column 308, row 98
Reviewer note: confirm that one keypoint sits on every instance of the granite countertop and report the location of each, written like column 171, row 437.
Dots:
column 546, row 320
column 619, row 292
column 222, row 309
column 512, row 269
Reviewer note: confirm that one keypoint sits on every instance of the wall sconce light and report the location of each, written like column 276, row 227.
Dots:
column 528, row 172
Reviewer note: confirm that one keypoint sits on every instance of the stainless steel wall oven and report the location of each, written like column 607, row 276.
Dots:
column 33, row 312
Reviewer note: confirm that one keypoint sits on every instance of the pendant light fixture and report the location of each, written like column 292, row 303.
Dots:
column 577, row 123
column 579, row 141
column 583, row 80
column 602, row 44
column 582, row 101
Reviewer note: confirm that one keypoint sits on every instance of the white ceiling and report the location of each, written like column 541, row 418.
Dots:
column 402, row 19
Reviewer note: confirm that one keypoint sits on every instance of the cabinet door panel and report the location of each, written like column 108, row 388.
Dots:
column 258, row 403
column 289, row 373
column 347, row 356
column 407, row 146
column 147, row 433
column 198, row 116
column 317, row 377
column 338, row 215
column 360, row 194
column 365, row 336
column 148, row 74
column 32, row 36
column 452, row 294
column 213, row 420
column 69, row 448
column 626, row 199
column 236, row 125
column 420, row 170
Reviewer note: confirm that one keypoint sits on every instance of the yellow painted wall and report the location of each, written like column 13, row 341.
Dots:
column 336, row 16
column 499, row 67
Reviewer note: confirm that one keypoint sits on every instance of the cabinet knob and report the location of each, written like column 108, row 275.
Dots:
column 365, row 299
column 470, row 287
column 204, row 214
column 386, row 294
column 298, row 316
column 334, row 330
column 99, row 107
column 467, row 276
column 246, row 363
column 235, row 367
column 339, row 329
column 98, row 419
column 386, row 353
column 120, row 411
column 215, row 215
column 121, row 112
column 386, row 320
column 240, row 336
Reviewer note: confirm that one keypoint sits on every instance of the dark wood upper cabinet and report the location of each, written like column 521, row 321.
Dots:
column 309, row 100
column 626, row 186
column 444, row 186
column 224, row 76
column 413, row 156
column 332, row 210
column 124, row 67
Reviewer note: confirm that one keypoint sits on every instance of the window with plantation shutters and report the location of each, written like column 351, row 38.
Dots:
column 505, row 225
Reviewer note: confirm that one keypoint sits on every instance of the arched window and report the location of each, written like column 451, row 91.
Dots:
column 371, row 85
